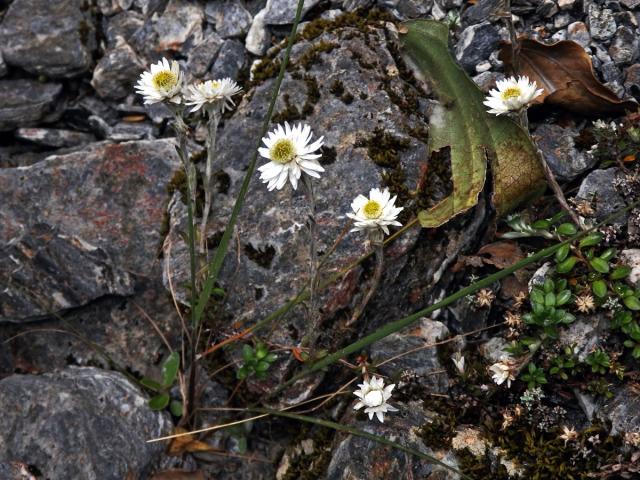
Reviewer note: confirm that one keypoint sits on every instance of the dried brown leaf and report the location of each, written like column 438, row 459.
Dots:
column 186, row 444
column 565, row 72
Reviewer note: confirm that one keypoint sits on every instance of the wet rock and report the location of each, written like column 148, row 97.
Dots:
column 67, row 420
column 282, row 12
column 202, row 55
column 55, row 138
column 631, row 257
column 578, row 32
column 181, row 20
column 623, row 411
column 419, row 365
column 117, row 71
column 624, row 47
column 602, row 25
column 558, row 145
column 50, row 38
column 258, row 38
column 26, row 102
column 232, row 58
column 357, row 458
column 476, row 44
column 599, row 188
column 230, row 18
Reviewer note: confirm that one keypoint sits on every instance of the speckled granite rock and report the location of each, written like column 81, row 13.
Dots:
column 26, row 102
column 56, row 39
column 117, row 71
column 79, row 423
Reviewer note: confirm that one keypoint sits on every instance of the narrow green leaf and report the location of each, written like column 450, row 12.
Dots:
column 620, row 272
column 170, row 369
column 590, row 240
column 567, row 265
column 563, row 297
column 151, row 384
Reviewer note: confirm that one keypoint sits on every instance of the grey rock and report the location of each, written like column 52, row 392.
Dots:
column 68, row 420
column 632, row 80
column 579, row 33
column 539, row 276
column 630, row 4
column 602, row 25
column 476, row 44
column 202, row 55
column 562, row 20
column 624, row 47
column 16, row 471
column 117, row 71
column 180, row 21
column 487, row 80
column 623, row 411
column 232, row 58
column 26, row 102
column 230, row 18
column 587, row 403
column 123, row 132
column 631, row 257
column 68, row 272
column 123, row 25
column 56, row 39
column 111, row 7
column 56, row 138
column 407, row 9
column 3, row 66
column 357, row 458
column 419, row 365
column 258, row 38
column 547, row 8
column 493, row 350
column 481, row 11
column 566, row 4
column 558, row 145
column 599, row 188
column 584, row 335
column 282, row 12
column 559, row 36
column 610, row 73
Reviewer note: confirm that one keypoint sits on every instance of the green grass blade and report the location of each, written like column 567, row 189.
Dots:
column 221, row 251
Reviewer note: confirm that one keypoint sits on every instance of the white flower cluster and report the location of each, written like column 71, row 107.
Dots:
column 164, row 82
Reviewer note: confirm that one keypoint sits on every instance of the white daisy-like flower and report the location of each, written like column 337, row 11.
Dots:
column 376, row 212
column 511, row 95
column 213, row 93
column 374, row 395
column 458, row 360
column 162, row 82
column 502, row 371
column 291, row 155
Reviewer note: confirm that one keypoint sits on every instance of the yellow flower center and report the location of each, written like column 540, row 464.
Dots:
column 511, row 93
column 164, row 79
column 283, row 151
column 372, row 209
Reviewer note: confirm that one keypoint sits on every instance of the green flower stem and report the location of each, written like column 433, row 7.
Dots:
column 360, row 433
column 216, row 264
column 212, row 130
column 376, row 239
column 314, row 314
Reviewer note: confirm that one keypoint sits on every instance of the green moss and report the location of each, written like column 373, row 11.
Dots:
column 311, row 56
column 310, row 467
column 383, row 148
column 291, row 112
column 337, row 88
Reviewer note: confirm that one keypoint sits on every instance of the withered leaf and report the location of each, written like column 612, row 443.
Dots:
column 565, row 72
column 186, row 444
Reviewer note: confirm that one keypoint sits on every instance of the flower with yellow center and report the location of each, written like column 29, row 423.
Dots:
column 291, row 154
column 213, row 94
column 162, row 82
column 511, row 95
column 376, row 212
column 374, row 395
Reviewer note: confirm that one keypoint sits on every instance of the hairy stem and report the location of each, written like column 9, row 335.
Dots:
column 314, row 314
column 378, row 247
column 212, row 130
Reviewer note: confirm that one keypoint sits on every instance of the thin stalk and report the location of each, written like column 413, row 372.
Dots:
column 378, row 248
column 216, row 264
column 212, row 130
column 397, row 325
column 359, row 433
column 314, row 314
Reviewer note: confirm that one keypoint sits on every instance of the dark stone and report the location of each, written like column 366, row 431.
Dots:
column 623, row 411
column 181, row 21
column 229, row 17
column 124, row 24
column 232, row 58
column 117, row 71
column 558, row 145
column 624, row 47
column 26, row 102
column 79, row 423
column 476, row 44
column 282, row 12
column 408, row 9
column 632, row 81
column 202, row 55
column 482, row 10
column 599, row 188
column 55, row 138
column 56, row 39
column 602, row 25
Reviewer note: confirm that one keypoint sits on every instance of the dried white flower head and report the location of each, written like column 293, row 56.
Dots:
column 213, row 94
column 162, row 82
column 568, row 435
column 376, row 212
column 502, row 371
column 458, row 360
column 512, row 319
column 291, row 155
column 512, row 95
column 585, row 303
column 484, row 298
column 374, row 395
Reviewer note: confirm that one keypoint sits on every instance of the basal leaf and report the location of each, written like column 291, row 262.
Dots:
column 460, row 122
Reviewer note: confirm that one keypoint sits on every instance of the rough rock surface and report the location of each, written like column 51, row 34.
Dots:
column 25, row 102
column 558, row 145
column 117, row 71
column 282, row 12
column 79, row 423
column 599, row 188
column 56, row 39
column 230, row 18
column 623, row 411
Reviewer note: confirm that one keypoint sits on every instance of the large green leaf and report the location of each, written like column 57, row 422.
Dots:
column 460, row 122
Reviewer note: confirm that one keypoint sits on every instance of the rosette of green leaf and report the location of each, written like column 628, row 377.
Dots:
column 564, row 365
column 257, row 360
column 633, row 342
column 599, row 361
column 534, row 376
column 162, row 399
column 546, row 301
